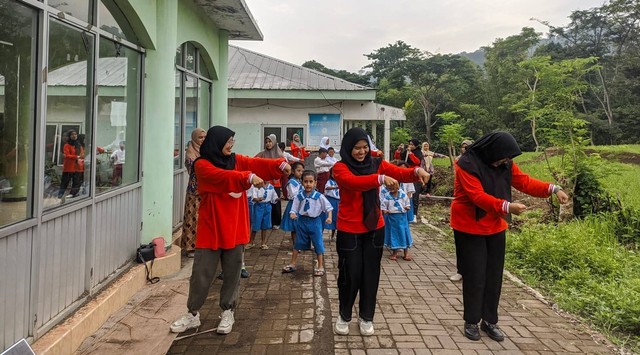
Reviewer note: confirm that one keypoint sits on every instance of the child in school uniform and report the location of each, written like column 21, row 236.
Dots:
column 410, row 189
column 263, row 198
column 293, row 187
column 332, row 192
column 307, row 209
column 394, row 207
column 251, row 203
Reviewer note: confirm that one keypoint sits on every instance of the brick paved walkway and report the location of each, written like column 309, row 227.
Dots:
column 419, row 311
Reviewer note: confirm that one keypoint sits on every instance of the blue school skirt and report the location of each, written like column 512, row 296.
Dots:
column 334, row 214
column 261, row 217
column 288, row 224
column 396, row 231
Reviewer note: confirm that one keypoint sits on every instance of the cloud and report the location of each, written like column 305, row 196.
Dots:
column 339, row 33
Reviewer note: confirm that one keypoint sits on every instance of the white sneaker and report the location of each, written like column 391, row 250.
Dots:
column 187, row 321
column 226, row 322
column 455, row 277
column 366, row 327
column 342, row 326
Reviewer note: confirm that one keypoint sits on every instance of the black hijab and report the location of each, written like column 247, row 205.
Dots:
column 211, row 148
column 370, row 165
column 417, row 152
column 479, row 156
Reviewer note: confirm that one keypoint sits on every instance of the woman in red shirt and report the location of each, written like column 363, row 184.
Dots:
column 223, row 222
column 72, row 165
column 297, row 149
column 361, row 225
column 480, row 210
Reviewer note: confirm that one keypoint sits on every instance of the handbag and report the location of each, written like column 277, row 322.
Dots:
column 145, row 253
column 158, row 247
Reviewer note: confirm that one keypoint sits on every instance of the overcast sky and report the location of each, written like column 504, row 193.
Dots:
column 337, row 33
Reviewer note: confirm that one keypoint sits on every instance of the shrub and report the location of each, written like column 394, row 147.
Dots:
column 584, row 269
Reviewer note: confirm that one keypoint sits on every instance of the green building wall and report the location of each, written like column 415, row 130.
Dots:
column 164, row 25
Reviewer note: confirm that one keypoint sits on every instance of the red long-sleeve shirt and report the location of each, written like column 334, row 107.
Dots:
column 223, row 217
column 298, row 152
column 351, row 188
column 468, row 193
column 70, row 163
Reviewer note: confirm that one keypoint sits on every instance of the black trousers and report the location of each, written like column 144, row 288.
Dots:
column 276, row 209
column 67, row 177
column 482, row 265
column 456, row 241
column 359, row 257
column 429, row 185
column 416, row 198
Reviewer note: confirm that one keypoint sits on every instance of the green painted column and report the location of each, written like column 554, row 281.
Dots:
column 158, row 127
column 220, row 86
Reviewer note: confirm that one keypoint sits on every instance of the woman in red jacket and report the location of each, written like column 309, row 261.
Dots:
column 361, row 225
column 72, row 165
column 297, row 149
column 223, row 222
column 480, row 210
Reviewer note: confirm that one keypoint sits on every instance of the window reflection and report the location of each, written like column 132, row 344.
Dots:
column 118, row 77
column 204, row 104
column 113, row 20
column 177, row 132
column 17, row 65
column 80, row 9
column 68, row 122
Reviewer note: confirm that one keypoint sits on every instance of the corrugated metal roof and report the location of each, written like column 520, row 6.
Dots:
column 111, row 72
column 250, row 70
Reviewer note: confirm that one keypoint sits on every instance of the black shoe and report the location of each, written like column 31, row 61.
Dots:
column 492, row 331
column 244, row 274
column 471, row 331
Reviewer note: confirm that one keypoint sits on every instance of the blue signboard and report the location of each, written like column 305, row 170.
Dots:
column 324, row 125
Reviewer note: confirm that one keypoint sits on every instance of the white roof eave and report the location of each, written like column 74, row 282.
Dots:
column 232, row 16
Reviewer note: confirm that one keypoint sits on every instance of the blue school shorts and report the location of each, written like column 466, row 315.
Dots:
column 308, row 232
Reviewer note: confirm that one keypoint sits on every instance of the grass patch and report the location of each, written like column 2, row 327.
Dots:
column 585, row 270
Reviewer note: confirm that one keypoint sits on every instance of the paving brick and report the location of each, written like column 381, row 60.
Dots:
column 419, row 311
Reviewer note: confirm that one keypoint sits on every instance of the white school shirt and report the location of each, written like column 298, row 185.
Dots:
column 317, row 204
column 118, row 157
column 250, row 194
column 382, row 192
column 331, row 159
column 293, row 187
column 335, row 193
column 290, row 157
column 322, row 165
column 408, row 187
column 267, row 193
column 395, row 204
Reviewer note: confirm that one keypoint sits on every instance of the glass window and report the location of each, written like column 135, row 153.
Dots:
column 191, row 57
column 204, row 104
column 118, row 120
column 266, row 131
column 179, row 56
column 69, row 109
column 177, row 131
column 191, row 109
column 18, row 26
column 113, row 20
column 293, row 130
column 80, row 9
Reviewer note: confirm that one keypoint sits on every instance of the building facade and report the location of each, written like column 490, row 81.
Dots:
column 97, row 99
